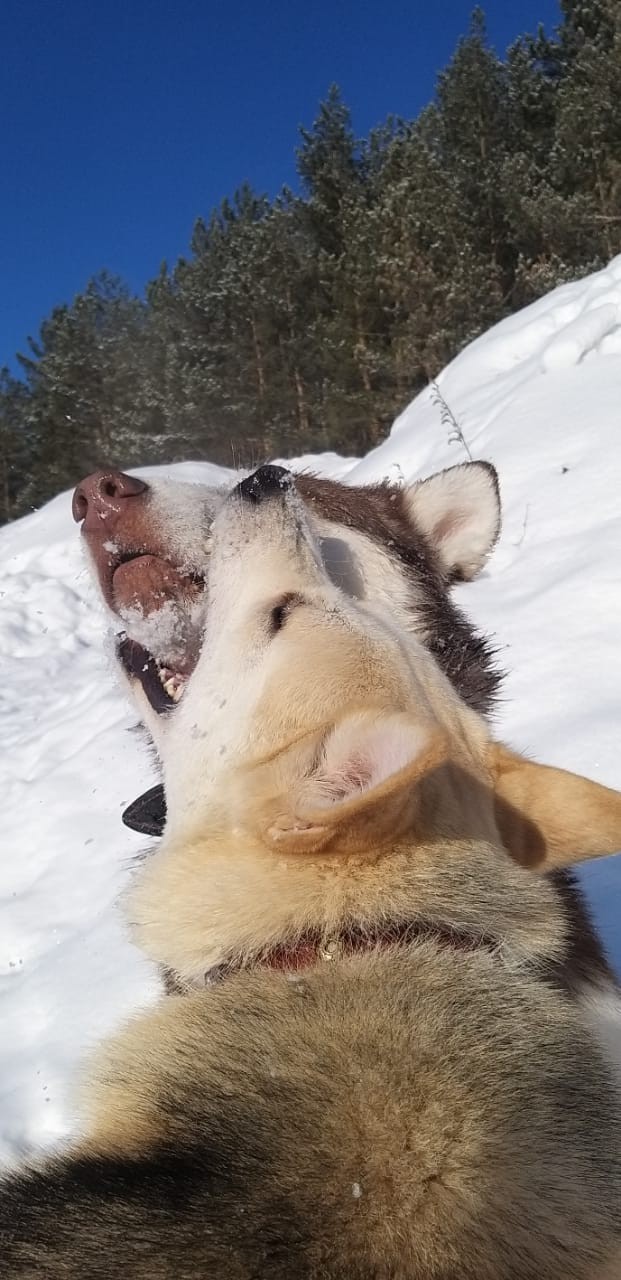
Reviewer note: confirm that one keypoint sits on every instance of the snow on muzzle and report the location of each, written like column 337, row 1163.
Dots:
column 147, row 582
column 162, row 610
column 159, row 603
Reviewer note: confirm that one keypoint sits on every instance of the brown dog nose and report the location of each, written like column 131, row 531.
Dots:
column 102, row 495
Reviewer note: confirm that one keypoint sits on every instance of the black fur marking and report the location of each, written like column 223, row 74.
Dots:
column 170, row 1213
column 379, row 512
column 586, row 959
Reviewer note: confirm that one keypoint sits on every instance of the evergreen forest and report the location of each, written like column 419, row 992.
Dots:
column 308, row 321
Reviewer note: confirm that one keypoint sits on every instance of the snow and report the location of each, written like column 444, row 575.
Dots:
column 540, row 396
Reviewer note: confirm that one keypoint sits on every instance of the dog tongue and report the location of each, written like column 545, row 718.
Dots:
column 148, row 583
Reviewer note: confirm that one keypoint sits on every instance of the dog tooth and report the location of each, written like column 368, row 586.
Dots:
column 174, row 687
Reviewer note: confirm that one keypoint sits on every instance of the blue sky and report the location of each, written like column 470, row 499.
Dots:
column 123, row 120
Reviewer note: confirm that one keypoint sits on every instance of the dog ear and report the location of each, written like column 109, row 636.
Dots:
column 364, row 781
column 551, row 818
column 458, row 511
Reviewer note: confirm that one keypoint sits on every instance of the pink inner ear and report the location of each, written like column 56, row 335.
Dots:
column 450, row 524
column 362, row 755
column 355, row 774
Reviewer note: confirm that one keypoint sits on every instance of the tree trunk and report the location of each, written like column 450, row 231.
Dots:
column 301, row 402
column 258, row 358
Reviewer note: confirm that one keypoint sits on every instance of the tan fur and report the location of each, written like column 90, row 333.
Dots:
column 567, row 817
column 410, row 1156
column 201, row 900
column 429, row 1109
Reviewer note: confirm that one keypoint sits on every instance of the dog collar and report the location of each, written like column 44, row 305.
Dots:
column 313, row 949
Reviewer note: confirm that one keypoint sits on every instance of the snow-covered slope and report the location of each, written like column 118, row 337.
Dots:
column 540, row 396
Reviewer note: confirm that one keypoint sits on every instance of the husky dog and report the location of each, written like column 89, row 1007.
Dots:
column 398, row 548
column 381, row 1070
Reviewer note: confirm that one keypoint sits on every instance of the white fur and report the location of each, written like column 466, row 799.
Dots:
column 458, row 510
column 601, row 1008
column 365, row 570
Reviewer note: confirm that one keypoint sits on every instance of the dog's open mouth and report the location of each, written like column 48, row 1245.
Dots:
column 161, row 607
column 162, row 686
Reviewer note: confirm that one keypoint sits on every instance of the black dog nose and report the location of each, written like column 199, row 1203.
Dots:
column 267, row 482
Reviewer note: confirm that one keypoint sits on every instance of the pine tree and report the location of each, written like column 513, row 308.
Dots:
column 16, row 445
column 306, row 322
column 328, row 165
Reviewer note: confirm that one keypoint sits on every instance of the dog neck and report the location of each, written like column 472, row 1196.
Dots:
column 313, row 948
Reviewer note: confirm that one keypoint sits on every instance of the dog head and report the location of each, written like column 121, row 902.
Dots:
column 321, row 767
column 397, row 547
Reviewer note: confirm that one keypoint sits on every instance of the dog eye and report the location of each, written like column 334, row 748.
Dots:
column 281, row 612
